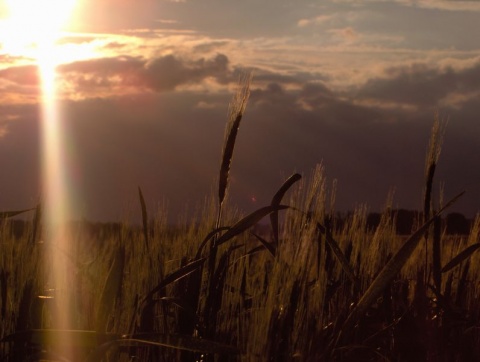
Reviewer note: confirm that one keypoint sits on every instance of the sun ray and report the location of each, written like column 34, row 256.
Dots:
column 33, row 27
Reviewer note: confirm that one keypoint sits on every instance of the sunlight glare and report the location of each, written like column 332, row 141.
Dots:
column 33, row 28
column 34, row 24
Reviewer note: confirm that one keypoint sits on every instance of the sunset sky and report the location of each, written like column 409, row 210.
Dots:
column 144, row 87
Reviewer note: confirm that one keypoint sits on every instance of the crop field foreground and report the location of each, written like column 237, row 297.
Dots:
column 291, row 281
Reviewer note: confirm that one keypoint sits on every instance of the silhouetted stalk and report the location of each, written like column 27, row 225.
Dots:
column 144, row 219
column 433, row 154
column 36, row 224
column 437, row 253
column 236, row 111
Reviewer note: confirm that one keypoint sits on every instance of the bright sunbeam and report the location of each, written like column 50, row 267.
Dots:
column 32, row 29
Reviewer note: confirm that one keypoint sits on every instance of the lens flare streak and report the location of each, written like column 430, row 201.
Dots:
column 34, row 27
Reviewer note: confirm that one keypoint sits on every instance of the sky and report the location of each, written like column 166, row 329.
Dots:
column 143, row 88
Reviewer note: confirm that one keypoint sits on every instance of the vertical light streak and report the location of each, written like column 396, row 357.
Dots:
column 56, row 196
column 34, row 26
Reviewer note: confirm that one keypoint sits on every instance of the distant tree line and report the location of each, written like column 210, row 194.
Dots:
column 406, row 221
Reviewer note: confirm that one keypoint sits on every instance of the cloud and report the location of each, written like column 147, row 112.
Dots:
column 166, row 73
column 19, row 85
column 3, row 130
column 348, row 33
column 160, row 74
column 364, row 130
column 7, row 59
column 209, row 46
column 318, row 20
column 77, row 39
column 447, row 5
column 290, row 125
column 167, row 21
column 114, row 45
column 422, row 84
column 24, row 75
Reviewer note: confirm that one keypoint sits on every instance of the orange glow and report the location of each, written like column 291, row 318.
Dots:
column 33, row 26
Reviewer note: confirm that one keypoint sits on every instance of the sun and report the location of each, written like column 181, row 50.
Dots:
column 33, row 26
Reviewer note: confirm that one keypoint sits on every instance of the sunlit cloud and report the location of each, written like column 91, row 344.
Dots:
column 348, row 34
column 167, row 21
column 457, row 99
column 22, row 75
column 448, row 5
column 318, row 20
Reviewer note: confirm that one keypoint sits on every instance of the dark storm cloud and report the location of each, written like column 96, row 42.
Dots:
column 317, row 95
column 171, row 148
column 421, row 84
column 273, row 94
column 314, row 98
column 169, row 145
column 369, row 148
column 162, row 143
column 296, row 78
column 168, row 72
column 91, row 75
column 209, row 46
column 159, row 74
